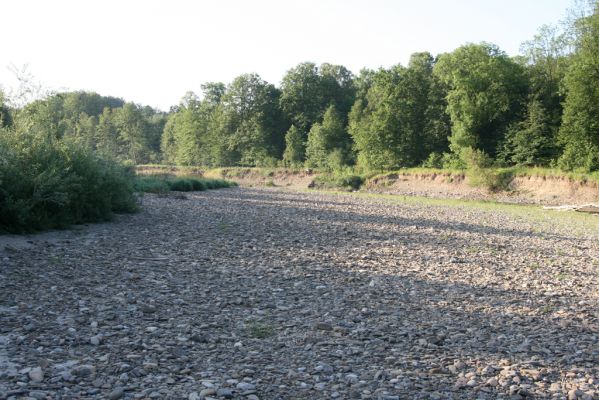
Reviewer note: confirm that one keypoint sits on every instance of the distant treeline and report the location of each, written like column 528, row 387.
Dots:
column 540, row 108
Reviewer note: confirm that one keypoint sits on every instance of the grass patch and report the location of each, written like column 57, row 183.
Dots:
column 260, row 330
column 166, row 183
column 544, row 221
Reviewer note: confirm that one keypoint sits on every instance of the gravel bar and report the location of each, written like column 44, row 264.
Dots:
column 252, row 294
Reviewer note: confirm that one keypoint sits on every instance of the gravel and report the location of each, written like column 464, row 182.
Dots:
column 269, row 294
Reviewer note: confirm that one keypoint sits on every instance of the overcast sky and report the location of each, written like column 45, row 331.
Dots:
column 152, row 52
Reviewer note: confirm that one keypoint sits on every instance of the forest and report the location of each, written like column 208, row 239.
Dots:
column 474, row 105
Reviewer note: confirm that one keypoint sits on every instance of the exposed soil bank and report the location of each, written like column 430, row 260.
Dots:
column 543, row 190
column 523, row 189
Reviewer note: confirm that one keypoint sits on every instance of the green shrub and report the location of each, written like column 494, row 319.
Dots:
column 481, row 172
column 181, row 185
column 151, row 184
column 434, row 160
column 47, row 183
column 341, row 180
column 164, row 183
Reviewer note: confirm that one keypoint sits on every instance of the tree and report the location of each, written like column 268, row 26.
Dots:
column 326, row 138
column 253, row 125
column 579, row 133
column 294, row 147
column 186, row 137
column 132, row 128
column 486, row 92
column 5, row 116
column 402, row 119
column 531, row 141
column 307, row 91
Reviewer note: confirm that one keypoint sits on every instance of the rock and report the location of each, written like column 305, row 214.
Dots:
column 575, row 394
column 323, row 326
column 95, row 340
column 36, row 375
column 207, row 392
column 555, row 387
column 116, row 393
column 245, row 386
column 492, row 381
column 224, row 393
column 84, row 370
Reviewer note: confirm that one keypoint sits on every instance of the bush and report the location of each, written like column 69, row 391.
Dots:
column 151, row 184
column 434, row 160
column 181, row 185
column 481, row 172
column 341, row 180
column 165, row 183
column 52, row 183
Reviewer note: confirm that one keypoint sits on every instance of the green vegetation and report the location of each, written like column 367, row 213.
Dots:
column 165, row 183
column 260, row 330
column 51, row 183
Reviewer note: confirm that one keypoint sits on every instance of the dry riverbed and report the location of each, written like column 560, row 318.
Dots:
column 268, row 294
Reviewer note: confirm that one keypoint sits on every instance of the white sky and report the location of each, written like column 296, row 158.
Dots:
column 152, row 52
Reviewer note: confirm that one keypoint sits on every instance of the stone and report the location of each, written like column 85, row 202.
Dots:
column 36, row 375
column 116, row 393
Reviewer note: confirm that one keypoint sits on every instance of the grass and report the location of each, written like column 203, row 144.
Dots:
column 542, row 221
column 259, row 330
column 166, row 183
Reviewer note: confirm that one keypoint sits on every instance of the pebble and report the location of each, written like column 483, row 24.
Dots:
column 36, row 374
column 116, row 393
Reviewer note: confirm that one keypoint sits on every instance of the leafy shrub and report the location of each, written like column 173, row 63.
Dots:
column 165, row 183
column 47, row 183
column 181, row 185
column 151, row 184
column 339, row 180
column 434, row 160
column 482, row 173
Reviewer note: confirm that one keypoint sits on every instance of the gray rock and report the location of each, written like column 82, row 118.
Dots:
column 224, row 393
column 83, row 370
column 116, row 393
column 36, row 374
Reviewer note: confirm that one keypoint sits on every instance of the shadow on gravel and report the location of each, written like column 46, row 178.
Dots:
column 304, row 297
column 336, row 211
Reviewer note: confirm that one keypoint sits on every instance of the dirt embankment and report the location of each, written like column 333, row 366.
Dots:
column 523, row 189
column 545, row 190
column 252, row 177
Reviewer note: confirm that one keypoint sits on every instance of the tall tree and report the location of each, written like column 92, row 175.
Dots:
column 307, row 91
column 402, row 119
column 579, row 132
column 327, row 138
column 255, row 126
column 294, row 147
column 487, row 91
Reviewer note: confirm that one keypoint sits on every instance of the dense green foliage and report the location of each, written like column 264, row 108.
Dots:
column 579, row 132
column 402, row 118
column 427, row 113
column 48, row 182
column 165, row 183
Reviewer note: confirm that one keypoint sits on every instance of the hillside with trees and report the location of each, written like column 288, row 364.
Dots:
column 536, row 109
